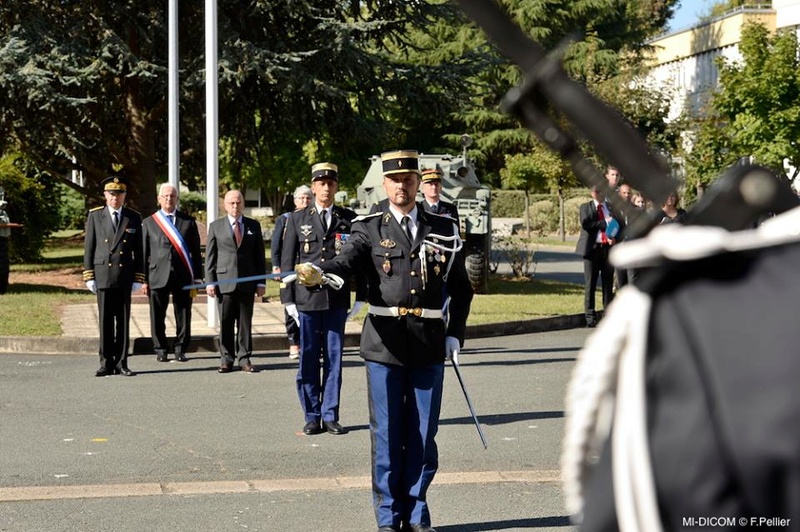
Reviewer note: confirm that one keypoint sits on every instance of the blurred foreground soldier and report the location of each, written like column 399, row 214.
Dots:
column 411, row 261
column 432, row 192
column 112, row 269
column 316, row 235
column 302, row 198
column 235, row 249
column 683, row 405
column 172, row 260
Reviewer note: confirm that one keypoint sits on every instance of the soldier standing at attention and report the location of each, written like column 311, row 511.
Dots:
column 410, row 261
column 112, row 269
column 316, row 234
column 432, row 190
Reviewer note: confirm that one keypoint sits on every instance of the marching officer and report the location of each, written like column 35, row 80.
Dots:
column 317, row 234
column 411, row 262
column 112, row 269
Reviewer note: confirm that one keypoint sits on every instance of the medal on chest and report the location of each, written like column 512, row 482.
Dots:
column 305, row 247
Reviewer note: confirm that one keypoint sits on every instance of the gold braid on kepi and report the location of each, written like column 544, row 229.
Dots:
column 308, row 275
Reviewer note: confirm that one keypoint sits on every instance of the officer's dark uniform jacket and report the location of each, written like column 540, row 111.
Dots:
column 720, row 370
column 305, row 241
column 379, row 248
column 113, row 260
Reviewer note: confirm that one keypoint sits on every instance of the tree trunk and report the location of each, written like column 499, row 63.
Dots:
column 527, row 214
column 562, row 226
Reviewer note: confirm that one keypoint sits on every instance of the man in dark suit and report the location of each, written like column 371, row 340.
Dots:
column 409, row 261
column 172, row 260
column 302, row 198
column 593, row 245
column 316, row 234
column 432, row 192
column 112, row 269
column 235, row 249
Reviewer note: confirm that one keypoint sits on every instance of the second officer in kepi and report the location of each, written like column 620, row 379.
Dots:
column 316, row 234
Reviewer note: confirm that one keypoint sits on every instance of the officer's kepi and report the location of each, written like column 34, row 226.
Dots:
column 324, row 171
column 400, row 162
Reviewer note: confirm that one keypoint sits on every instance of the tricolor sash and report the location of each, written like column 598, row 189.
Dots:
column 175, row 237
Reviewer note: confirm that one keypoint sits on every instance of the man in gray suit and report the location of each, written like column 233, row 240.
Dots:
column 235, row 249
column 172, row 260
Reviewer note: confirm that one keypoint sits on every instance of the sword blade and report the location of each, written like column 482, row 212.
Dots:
column 238, row 280
column 469, row 405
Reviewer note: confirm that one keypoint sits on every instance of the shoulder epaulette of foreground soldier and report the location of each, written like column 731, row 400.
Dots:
column 97, row 208
column 366, row 216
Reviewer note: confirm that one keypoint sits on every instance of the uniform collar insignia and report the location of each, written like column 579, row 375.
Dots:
column 388, row 243
column 387, row 217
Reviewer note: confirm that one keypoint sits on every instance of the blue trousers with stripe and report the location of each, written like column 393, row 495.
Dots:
column 321, row 334
column 404, row 407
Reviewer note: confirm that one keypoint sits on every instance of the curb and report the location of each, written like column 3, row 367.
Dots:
column 58, row 345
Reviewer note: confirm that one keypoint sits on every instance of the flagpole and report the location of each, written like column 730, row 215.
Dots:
column 212, row 131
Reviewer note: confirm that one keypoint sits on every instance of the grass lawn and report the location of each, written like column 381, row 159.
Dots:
column 34, row 309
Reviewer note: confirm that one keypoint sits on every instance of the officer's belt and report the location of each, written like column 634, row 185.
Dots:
column 396, row 312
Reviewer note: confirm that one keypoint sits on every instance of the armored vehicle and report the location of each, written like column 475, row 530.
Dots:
column 461, row 187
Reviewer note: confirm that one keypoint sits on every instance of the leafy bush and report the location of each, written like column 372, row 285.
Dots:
column 71, row 208
column 572, row 218
column 31, row 199
column 508, row 203
column 544, row 217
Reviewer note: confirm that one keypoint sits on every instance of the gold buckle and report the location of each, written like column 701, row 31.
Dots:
column 416, row 311
column 402, row 311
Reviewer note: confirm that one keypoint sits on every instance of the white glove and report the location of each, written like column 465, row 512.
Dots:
column 357, row 306
column 136, row 288
column 92, row 286
column 291, row 310
column 451, row 348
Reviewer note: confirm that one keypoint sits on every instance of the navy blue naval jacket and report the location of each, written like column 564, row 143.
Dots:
column 379, row 249
column 305, row 241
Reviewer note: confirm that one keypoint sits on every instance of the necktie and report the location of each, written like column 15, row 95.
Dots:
column 435, row 208
column 601, row 216
column 407, row 228
column 171, row 218
column 324, row 217
column 237, row 233
column 116, row 221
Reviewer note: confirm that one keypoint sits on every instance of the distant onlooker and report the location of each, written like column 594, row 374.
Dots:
column 593, row 245
column 670, row 212
column 302, row 198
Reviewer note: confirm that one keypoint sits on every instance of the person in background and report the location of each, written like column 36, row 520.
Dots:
column 235, row 249
column 5, row 234
column 302, row 198
column 408, row 258
column 172, row 260
column 432, row 190
column 613, row 177
column 112, row 269
column 593, row 245
column 623, row 275
column 317, row 234
column 670, row 211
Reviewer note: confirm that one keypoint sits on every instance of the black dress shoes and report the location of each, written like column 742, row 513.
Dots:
column 225, row 368
column 249, row 368
column 311, row 428
column 334, row 427
column 161, row 357
column 388, row 529
column 102, row 372
column 180, row 357
column 420, row 528
column 125, row 372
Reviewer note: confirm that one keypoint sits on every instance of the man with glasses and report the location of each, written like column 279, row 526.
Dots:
column 172, row 260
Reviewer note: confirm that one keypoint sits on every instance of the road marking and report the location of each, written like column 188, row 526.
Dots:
column 150, row 489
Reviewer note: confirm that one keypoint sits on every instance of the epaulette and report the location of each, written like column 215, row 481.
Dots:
column 366, row 216
column 97, row 208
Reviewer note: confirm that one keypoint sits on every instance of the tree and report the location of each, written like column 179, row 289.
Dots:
column 754, row 112
column 83, row 85
column 599, row 41
column 759, row 99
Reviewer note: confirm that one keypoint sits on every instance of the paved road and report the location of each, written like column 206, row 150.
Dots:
column 181, row 447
